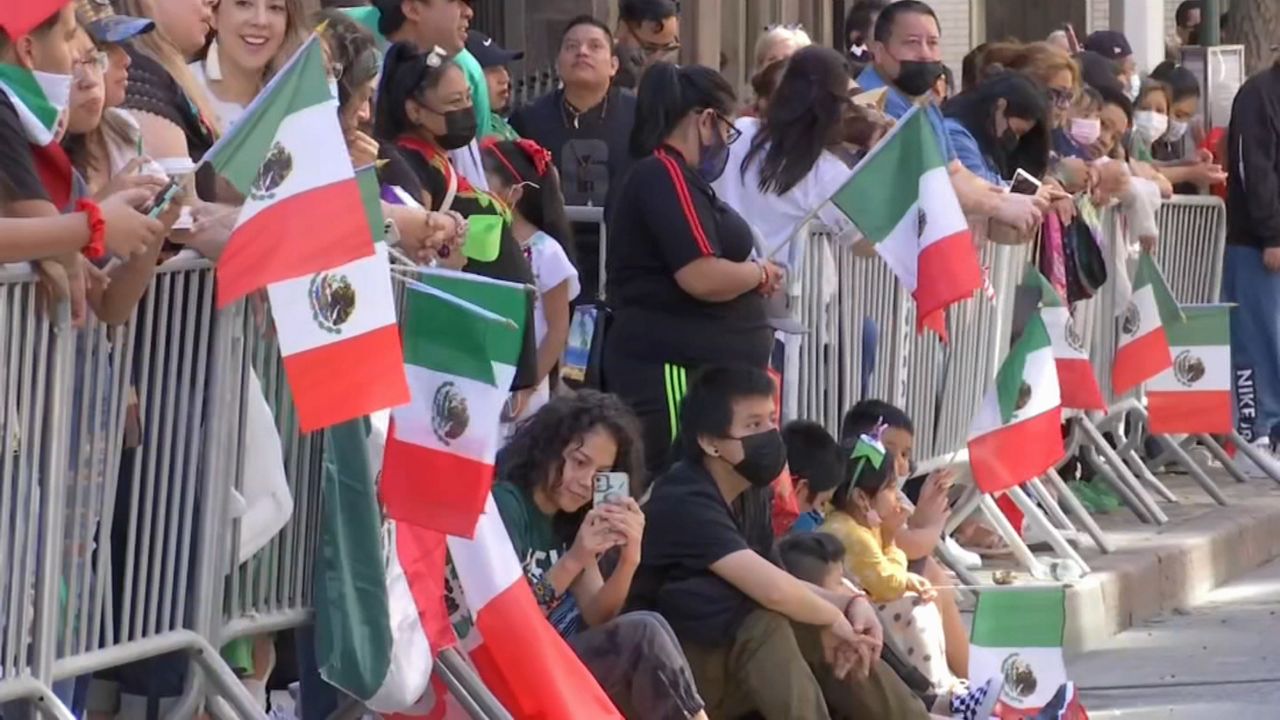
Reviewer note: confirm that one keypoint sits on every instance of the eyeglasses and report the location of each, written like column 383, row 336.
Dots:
column 1060, row 98
column 96, row 61
column 734, row 133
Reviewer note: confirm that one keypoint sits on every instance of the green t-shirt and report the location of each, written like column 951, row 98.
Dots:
column 537, row 548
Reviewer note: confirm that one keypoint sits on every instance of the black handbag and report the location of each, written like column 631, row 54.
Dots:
column 1086, row 269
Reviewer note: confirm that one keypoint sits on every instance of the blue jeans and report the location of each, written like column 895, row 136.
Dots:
column 1255, row 341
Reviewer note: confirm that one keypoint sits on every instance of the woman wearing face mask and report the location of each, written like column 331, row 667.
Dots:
column 1177, row 153
column 424, row 109
column 544, row 494
column 1078, row 137
column 681, row 280
column 1000, row 127
column 1150, row 119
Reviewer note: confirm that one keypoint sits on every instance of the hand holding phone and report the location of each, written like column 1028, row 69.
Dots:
column 1024, row 183
column 611, row 488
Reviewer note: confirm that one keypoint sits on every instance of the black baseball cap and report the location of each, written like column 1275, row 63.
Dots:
column 1110, row 44
column 392, row 15
column 102, row 23
column 489, row 53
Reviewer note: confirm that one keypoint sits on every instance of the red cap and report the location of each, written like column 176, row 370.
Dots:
column 21, row 17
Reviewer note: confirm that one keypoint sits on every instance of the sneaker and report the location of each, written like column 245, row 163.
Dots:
column 1251, row 469
column 968, row 560
column 979, row 703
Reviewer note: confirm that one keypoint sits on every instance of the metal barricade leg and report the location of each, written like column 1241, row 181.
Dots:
column 1222, row 457
column 1041, row 523
column 461, row 679
column 1078, row 511
column 1255, row 455
column 1123, row 481
column 1005, row 528
column 1144, row 474
column 1049, row 504
column 1197, row 473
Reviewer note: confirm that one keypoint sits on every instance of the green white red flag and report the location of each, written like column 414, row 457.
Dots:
column 1194, row 395
column 338, row 335
column 900, row 198
column 1077, row 382
column 460, row 363
column 38, row 116
column 1017, row 434
column 303, row 212
column 1017, row 637
column 1142, row 351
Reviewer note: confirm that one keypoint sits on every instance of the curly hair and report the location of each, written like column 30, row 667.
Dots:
column 535, row 455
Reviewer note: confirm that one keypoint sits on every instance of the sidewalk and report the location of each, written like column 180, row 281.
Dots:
column 1158, row 570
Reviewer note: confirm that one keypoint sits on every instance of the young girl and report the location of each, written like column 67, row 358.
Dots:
column 521, row 173
column 868, row 513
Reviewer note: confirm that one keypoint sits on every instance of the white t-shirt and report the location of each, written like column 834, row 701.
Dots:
column 551, row 268
column 228, row 112
column 776, row 217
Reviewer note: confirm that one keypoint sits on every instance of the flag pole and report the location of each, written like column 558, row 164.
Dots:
column 808, row 218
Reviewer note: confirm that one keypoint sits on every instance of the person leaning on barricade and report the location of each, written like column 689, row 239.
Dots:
column 756, row 638
column 562, row 526
column 36, row 68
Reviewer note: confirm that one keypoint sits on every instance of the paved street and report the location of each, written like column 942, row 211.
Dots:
column 1219, row 660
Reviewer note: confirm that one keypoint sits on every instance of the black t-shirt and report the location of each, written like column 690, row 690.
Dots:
column 666, row 216
column 688, row 527
column 433, row 169
column 591, row 150
column 18, row 177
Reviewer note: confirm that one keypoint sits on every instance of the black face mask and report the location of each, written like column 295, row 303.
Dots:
column 764, row 454
column 917, row 77
column 630, row 67
column 459, row 129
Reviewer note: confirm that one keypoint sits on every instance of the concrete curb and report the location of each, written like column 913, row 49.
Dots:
column 1169, row 570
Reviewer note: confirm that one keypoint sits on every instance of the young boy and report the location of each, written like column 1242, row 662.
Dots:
column 815, row 465
column 815, row 557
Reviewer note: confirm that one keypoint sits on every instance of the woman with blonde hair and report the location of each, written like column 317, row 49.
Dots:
column 1047, row 64
column 779, row 43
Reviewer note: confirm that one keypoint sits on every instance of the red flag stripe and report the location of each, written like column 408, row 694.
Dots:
column 435, row 490
column 372, row 378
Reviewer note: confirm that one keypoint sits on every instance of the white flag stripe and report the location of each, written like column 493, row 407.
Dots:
column 1217, row 370
column 409, row 671
column 1057, row 320
column 1041, row 373
column 484, row 407
column 1045, row 662
column 314, row 140
column 375, row 306
column 486, row 564
column 942, row 218
column 1144, row 299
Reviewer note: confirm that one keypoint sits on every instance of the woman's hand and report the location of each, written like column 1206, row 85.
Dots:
column 130, row 177
column 362, row 148
column 594, row 537
column 772, row 277
column 921, row 586
column 627, row 522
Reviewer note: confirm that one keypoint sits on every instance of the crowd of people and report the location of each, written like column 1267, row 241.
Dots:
column 755, row 566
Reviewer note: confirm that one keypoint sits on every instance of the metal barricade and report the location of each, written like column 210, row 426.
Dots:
column 529, row 88
column 1193, row 237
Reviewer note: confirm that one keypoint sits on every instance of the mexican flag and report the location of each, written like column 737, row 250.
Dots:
column 460, row 360
column 900, row 198
column 41, row 124
column 1017, row 432
column 1017, row 636
column 380, row 613
column 1143, row 348
column 519, row 656
column 1077, row 383
column 303, row 212
column 338, row 335
column 1194, row 396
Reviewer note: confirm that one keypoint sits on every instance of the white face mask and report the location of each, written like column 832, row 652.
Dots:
column 1135, row 87
column 1085, row 131
column 1177, row 129
column 1150, row 125
column 56, row 88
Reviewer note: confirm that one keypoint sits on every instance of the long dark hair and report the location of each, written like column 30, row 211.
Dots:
column 542, row 202
column 805, row 117
column 1025, row 100
column 535, row 455
column 1181, row 81
column 668, row 93
column 352, row 49
column 407, row 73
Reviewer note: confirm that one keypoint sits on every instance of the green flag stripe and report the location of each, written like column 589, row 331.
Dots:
column 1020, row 618
column 887, row 184
column 1009, row 380
column 371, row 196
column 510, row 301
column 302, row 84
column 22, row 84
column 1149, row 274
column 1035, row 280
column 1205, row 325
column 443, row 337
column 353, row 638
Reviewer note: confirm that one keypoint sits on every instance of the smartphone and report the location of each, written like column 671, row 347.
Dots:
column 1024, row 183
column 157, row 204
column 611, row 487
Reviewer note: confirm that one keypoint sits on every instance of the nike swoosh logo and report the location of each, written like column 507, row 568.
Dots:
column 488, row 42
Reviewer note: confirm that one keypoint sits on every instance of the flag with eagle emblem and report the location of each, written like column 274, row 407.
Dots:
column 303, row 211
column 1017, row 433
column 1142, row 351
column 900, row 198
column 438, row 466
column 1194, row 396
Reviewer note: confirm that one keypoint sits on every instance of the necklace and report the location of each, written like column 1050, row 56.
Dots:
column 572, row 115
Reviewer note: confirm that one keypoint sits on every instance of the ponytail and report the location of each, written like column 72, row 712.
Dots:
column 406, row 74
column 525, row 161
column 668, row 93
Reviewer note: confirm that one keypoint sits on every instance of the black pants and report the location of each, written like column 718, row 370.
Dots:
column 654, row 391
